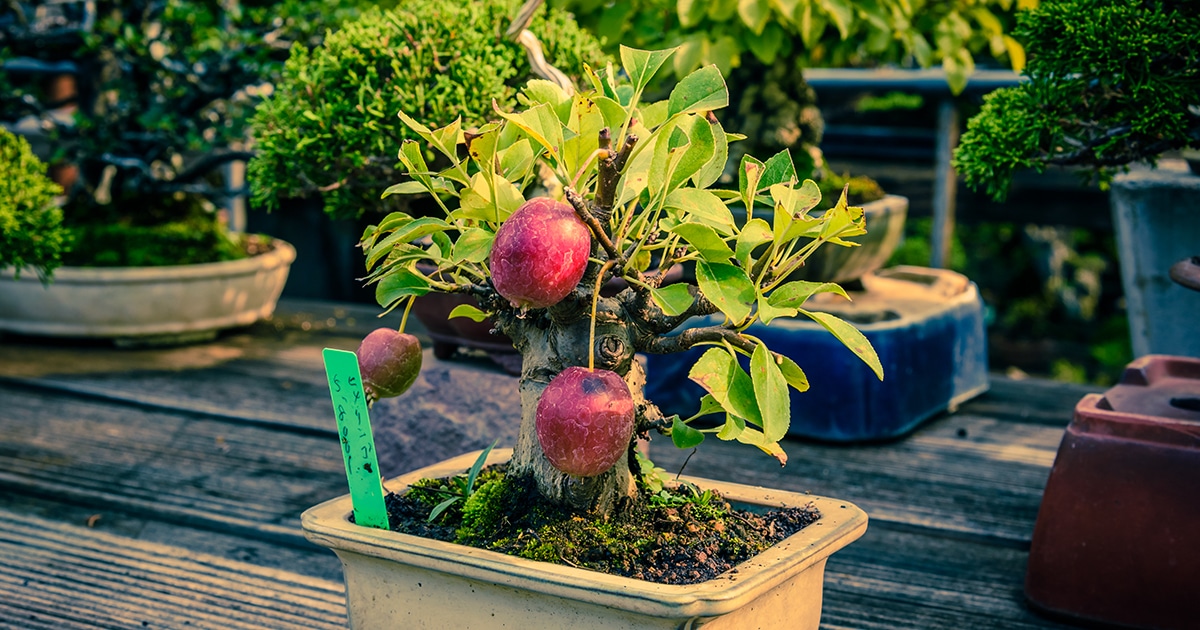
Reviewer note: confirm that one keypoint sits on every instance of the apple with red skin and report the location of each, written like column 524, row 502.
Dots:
column 389, row 361
column 585, row 421
column 539, row 254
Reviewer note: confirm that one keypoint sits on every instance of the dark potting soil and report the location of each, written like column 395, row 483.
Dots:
column 683, row 535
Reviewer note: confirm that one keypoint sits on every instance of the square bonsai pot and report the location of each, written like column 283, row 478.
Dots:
column 396, row 580
column 1117, row 538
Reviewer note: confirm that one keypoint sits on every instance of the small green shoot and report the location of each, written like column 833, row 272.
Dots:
column 465, row 487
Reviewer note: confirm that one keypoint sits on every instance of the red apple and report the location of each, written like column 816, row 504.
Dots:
column 585, row 421
column 389, row 361
column 539, row 253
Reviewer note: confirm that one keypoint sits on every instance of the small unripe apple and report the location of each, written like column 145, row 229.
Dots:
column 540, row 253
column 389, row 361
column 585, row 421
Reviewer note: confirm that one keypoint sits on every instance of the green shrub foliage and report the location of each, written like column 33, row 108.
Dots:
column 331, row 126
column 31, row 232
column 1110, row 82
column 166, row 88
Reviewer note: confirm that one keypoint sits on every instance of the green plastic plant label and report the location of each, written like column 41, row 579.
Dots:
column 354, row 431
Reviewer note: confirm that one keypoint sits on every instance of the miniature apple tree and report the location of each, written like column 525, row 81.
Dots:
column 548, row 203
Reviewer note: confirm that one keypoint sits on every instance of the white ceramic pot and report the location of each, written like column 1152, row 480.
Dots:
column 401, row 581
column 146, row 304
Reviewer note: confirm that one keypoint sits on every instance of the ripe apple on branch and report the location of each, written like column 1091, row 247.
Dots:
column 620, row 188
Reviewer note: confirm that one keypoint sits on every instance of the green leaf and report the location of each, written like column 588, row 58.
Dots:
column 476, row 201
column 733, row 427
column 756, row 438
column 712, row 170
column 691, row 12
column 473, row 245
column 684, row 436
column 850, row 337
column 727, row 287
column 405, row 188
column 700, row 150
column 470, row 311
column 792, row 373
column 538, row 91
column 778, row 170
column 542, row 125
column 705, row 240
column 770, row 391
column 482, row 147
column 959, row 65
column 614, row 114
column 586, row 121
column 795, row 293
column 516, row 160
column 768, row 312
column 641, row 65
column 690, row 55
column 708, row 405
column 703, row 206
column 722, row 10
column 701, row 91
column 441, row 507
column 811, row 23
column 636, row 177
column 842, row 12
column 653, row 115
column 721, row 376
column 411, row 231
column 401, row 283
column 674, row 299
column 478, row 466
column 766, row 46
column 753, row 234
column 750, row 172
column 754, row 13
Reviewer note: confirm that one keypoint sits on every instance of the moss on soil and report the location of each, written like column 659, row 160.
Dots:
column 677, row 536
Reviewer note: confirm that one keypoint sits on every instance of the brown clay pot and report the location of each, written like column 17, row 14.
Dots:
column 1117, row 539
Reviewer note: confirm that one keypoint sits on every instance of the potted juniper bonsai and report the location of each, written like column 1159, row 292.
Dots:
column 325, row 141
column 164, row 88
column 1121, row 91
column 635, row 197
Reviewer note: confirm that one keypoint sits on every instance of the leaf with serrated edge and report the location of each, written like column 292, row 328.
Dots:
column 778, row 170
column 701, row 91
column 705, row 240
column 767, row 312
column 473, row 245
column 703, row 206
column 673, row 299
column 641, row 65
column 754, row 233
column 794, row 294
column 727, row 287
column 770, row 391
column 850, row 337
column 792, row 373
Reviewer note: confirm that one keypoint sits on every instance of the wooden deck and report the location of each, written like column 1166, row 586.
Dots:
column 162, row 487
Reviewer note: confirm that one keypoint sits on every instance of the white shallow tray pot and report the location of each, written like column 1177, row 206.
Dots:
column 146, row 304
column 401, row 581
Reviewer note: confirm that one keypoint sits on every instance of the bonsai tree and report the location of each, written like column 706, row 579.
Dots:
column 634, row 198
column 31, row 232
column 166, row 87
column 328, row 128
column 1110, row 83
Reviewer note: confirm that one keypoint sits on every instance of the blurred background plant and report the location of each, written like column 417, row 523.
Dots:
column 330, row 129
column 1110, row 83
column 31, row 232
column 163, row 91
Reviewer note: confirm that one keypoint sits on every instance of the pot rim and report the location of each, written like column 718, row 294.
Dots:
column 282, row 253
column 840, row 524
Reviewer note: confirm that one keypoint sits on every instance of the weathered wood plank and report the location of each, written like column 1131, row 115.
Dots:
column 62, row 576
column 963, row 474
column 892, row 579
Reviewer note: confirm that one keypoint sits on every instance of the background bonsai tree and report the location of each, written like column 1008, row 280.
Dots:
column 165, row 89
column 1109, row 83
column 31, row 232
column 636, row 200
column 328, row 130
column 762, row 48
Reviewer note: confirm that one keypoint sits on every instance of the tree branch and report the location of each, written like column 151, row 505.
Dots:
column 693, row 336
column 581, row 208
